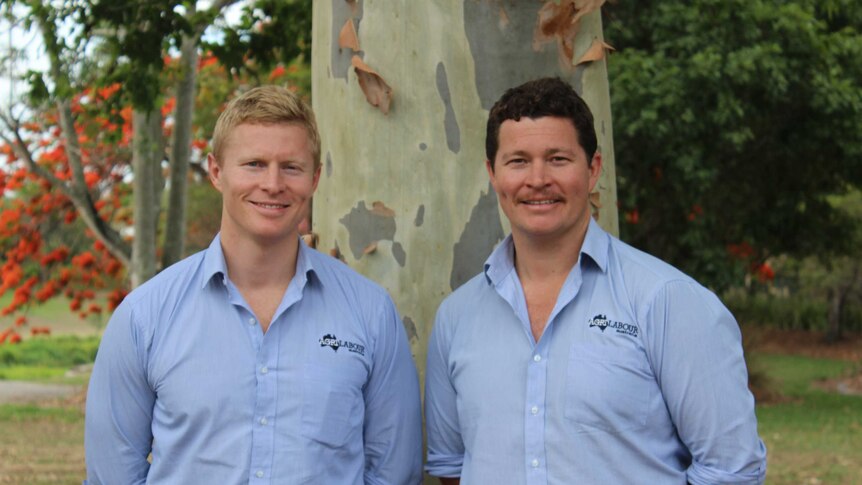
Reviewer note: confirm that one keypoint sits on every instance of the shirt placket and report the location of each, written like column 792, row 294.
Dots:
column 534, row 417
column 266, row 379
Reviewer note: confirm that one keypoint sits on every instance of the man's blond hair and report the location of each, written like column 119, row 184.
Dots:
column 266, row 105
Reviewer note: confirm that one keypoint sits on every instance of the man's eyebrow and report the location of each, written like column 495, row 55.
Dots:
column 556, row 150
column 514, row 153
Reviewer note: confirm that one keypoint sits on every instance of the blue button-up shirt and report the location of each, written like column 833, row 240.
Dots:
column 638, row 377
column 328, row 395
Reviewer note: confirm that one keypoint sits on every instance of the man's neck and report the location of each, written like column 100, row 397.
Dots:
column 543, row 266
column 254, row 264
column 547, row 260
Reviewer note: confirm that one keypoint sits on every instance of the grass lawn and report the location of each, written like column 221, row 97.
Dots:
column 42, row 444
column 812, row 436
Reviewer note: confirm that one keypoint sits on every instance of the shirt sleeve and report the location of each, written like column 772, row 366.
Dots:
column 393, row 413
column 117, row 434
column 696, row 352
column 445, row 445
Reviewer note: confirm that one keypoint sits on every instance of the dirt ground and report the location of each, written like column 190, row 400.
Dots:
column 44, row 450
column 812, row 344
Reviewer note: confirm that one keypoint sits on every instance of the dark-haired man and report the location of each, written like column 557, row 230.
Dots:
column 575, row 358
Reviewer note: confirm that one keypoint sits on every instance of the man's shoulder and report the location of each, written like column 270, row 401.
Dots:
column 646, row 276
column 334, row 273
column 178, row 277
column 635, row 261
column 467, row 298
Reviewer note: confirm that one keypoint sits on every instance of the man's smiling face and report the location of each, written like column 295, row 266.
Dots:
column 543, row 179
column 266, row 176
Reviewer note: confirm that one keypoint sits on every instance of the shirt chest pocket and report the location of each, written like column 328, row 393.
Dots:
column 607, row 389
column 333, row 408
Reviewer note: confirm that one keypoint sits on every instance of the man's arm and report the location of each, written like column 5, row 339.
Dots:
column 443, row 429
column 117, row 436
column 393, row 413
column 696, row 353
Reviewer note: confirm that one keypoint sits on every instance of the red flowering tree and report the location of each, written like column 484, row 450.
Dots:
column 83, row 164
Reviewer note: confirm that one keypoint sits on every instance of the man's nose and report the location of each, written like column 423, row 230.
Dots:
column 538, row 174
column 272, row 179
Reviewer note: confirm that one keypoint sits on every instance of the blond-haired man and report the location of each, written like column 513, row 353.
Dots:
column 257, row 360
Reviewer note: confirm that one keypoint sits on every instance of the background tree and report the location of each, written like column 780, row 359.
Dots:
column 402, row 91
column 736, row 121
column 93, row 149
column 837, row 279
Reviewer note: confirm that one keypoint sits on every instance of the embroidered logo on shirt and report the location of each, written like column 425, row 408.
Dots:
column 602, row 323
column 333, row 343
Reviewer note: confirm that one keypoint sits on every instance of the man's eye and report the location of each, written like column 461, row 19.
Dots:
column 516, row 161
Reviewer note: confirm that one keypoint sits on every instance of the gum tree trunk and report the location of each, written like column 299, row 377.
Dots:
column 404, row 196
column 147, row 155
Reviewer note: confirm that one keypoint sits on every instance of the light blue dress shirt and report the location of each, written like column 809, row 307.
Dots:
column 329, row 395
column 638, row 378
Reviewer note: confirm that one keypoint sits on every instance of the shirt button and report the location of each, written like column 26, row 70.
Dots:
column 534, row 410
column 263, row 421
column 251, row 321
column 537, row 358
column 259, row 474
column 264, row 370
column 534, row 463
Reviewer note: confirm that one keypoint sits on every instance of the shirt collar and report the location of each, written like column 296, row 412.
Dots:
column 214, row 263
column 596, row 244
column 502, row 260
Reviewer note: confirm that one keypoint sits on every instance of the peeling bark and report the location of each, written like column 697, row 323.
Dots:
column 560, row 22
column 596, row 52
column 347, row 37
column 377, row 91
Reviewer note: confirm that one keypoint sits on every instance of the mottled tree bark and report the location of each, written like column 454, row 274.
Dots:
column 147, row 156
column 174, row 245
column 402, row 91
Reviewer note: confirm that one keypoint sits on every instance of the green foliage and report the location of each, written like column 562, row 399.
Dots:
column 204, row 216
column 32, row 373
column 784, row 313
column 143, row 31
column 790, row 313
column 269, row 32
column 18, row 413
column 60, row 351
column 734, row 121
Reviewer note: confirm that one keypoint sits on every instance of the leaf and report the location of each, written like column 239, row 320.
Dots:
column 377, row 92
column 347, row 37
column 596, row 52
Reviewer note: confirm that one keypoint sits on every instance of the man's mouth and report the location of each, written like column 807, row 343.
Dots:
column 270, row 205
column 540, row 202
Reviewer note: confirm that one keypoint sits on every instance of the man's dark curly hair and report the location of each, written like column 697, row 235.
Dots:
column 550, row 96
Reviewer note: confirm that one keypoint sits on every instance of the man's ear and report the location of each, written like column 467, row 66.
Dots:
column 489, row 166
column 595, row 170
column 214, row 170
column 316, row 178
